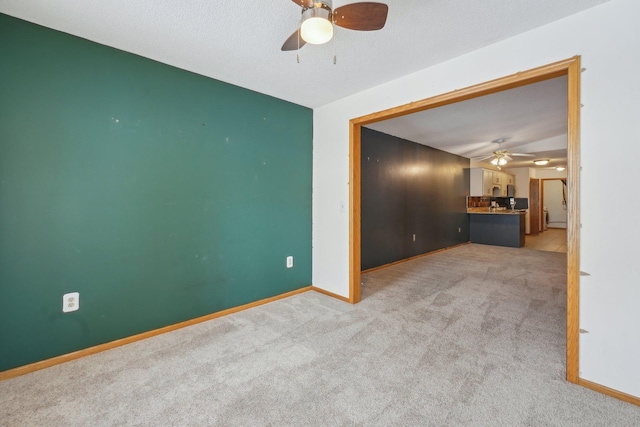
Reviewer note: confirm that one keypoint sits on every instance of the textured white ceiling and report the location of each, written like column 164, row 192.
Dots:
column 239, row 41
column 532, row 119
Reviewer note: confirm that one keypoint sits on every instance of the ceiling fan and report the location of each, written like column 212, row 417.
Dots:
column 500, row 157
column 318, row 18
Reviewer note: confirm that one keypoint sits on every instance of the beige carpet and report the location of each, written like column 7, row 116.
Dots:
column 472, row 336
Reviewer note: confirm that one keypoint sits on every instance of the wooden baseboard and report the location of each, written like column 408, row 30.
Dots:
column 331, row 294
column 32, row 367
column 609, row 391
column 22, row 370
column 380, row 267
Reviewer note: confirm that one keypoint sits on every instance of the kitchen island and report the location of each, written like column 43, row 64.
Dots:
column 499, row 228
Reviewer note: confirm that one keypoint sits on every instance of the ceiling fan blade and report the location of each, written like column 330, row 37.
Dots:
column 521, row 155
column 292, row 42
column 365, row 16
column 507, row 158
column 480, row 158
column 304, row 3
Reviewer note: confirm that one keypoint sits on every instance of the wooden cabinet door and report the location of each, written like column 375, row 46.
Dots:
column 534, row 206
column 487, row 183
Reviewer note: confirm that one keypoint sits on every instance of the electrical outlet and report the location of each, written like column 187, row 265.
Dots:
column 70, row 302
column 289, row 262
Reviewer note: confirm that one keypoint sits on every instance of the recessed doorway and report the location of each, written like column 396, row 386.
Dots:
column 569, row 68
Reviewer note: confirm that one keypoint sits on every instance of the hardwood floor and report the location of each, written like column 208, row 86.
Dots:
column 552, row 240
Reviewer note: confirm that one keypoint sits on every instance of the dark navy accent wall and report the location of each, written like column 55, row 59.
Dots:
column 157, row 194
column 407, row 189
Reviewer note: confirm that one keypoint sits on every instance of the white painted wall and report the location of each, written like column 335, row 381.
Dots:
column 522, row 176
column 608, row 39
column 548, row 173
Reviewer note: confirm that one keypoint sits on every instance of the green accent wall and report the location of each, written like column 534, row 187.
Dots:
column 157, row 194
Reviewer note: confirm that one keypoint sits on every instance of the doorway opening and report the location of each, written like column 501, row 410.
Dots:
column 550, row 233
column 570, row 68
column 554, row 203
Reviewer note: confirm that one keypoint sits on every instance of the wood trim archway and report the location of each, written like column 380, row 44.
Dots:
column 570, row 68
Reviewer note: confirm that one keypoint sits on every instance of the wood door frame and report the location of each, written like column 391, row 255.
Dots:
column 535, row 212
column 569, row 67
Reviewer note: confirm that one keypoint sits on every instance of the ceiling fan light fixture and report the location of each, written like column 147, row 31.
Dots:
column 541, row 162
column 499, row 162
column 316, row 27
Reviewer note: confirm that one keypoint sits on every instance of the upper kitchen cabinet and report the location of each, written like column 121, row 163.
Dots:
column 481, row 182
column 485, row 182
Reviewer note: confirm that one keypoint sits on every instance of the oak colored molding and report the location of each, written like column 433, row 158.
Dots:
column 32, row 367
column 331, row 294
column 610, row 392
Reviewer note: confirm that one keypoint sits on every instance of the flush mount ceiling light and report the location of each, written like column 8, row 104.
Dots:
column 560, row 168
column 541, row 162
column 318, row 19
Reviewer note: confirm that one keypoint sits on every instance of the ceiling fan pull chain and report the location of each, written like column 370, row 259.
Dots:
column 335, row 53
column 298, row 38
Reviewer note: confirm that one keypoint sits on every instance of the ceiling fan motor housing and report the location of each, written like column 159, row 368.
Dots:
column 319, row 9
column 310, row 4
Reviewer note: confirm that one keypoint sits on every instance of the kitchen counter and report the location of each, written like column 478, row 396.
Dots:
column 487, row 211
column 499, row 228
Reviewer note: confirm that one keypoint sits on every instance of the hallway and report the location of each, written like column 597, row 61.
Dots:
column 551, row 240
